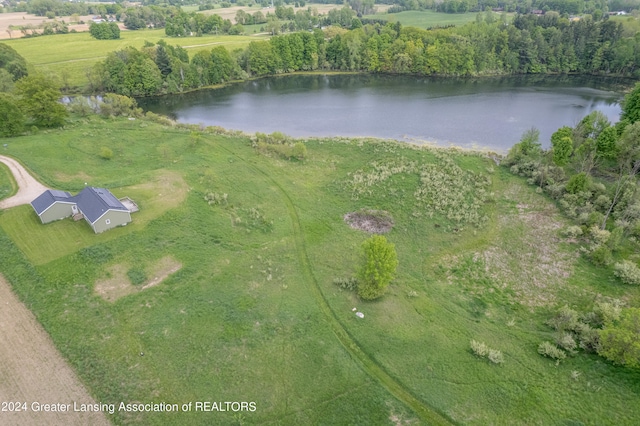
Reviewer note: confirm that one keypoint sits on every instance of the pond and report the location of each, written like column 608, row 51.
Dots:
column 472, row 112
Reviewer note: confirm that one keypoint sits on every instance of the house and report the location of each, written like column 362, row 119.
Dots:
column 98, row 206
column 101, row 209
column 53, row 205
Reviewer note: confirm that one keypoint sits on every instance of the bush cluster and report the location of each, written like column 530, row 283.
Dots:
column 480, row 349
column 550, row 350
column 628, row 272
column 350, row 284
column 281, row 144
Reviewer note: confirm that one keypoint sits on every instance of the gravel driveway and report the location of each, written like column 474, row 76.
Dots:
column 28, row 187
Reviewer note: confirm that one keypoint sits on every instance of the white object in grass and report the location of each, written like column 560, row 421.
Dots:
column 359, row 314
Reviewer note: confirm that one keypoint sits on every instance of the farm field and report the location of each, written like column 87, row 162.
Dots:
column 233, row 297
column 70, row 56
column 33, row 370
column 425, row 18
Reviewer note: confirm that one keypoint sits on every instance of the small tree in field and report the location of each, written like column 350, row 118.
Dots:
column 379, row 263
column 620, row 340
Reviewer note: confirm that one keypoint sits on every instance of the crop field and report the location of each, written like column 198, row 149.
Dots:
column 33, row 370
column 70, row 56
column 222, row 288
column 425, row 18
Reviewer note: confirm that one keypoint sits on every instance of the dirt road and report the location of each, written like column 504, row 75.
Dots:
column 28, row 187
column 33, row 373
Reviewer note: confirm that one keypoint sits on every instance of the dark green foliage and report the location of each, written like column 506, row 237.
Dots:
column 113, row 105
column 631, row 106
column 105, row 31
column 620, row 340
column 527, row 149
column 98, row 254
column 562, row 145
column 137, row 275
column 12, row 119
column 349, row 284
column 577, row 183
column 601, row 255
column 12, row 62
column 39, row 99
column 379, row 263
column 163, row 61
column 534, row 45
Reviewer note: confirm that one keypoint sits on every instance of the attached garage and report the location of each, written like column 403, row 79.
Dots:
column 53, row 205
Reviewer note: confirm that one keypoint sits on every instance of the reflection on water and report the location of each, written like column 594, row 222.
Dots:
column 484, row 112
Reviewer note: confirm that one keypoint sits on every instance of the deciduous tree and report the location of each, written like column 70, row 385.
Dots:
column 39, row 98
column 620, row 340
column 379, row 263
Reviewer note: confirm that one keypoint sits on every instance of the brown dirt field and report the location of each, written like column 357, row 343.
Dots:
column 33, row 371
column 118, row 285
column 21, row 18
column 230, row 12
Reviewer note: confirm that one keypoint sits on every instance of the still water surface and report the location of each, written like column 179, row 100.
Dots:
column 486, row 112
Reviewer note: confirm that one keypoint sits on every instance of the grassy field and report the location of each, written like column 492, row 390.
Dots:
column 71, row 55
column 253, row 314
column 7, row 183
column 425, row 18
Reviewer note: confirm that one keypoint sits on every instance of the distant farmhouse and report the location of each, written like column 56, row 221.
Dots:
column 99, row 207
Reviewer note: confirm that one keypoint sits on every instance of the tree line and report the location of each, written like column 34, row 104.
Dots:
column 530, row 45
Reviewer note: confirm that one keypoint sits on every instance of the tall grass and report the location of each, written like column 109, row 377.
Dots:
column 241, row 320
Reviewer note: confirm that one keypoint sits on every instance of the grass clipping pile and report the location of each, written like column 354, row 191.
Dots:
column 371, row 221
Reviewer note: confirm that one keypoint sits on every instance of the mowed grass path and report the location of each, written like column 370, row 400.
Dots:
column 71, row 55
column 253, row 315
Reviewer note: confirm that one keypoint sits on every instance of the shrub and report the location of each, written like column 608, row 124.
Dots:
column 495, row 356
column 589, row 338
column 479, row 348
column 346, row 283
column 601, row 255
column 607, row 312
column 628, row 272
column 567, row 342
column 565, row 319
column 137, row 275
column 549, row 350
column 577, row 183
column 113, row 105
column 106, row 153
column 160, row 119
column 599, row 236
column 213, row 198
column 572, row 232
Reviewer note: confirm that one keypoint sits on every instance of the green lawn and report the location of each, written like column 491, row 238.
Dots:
column 253, row 314
column 426, row 18
column 7, row 183
column 71, row 55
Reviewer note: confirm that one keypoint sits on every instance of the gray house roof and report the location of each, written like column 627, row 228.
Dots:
column 49, row 198
column 95, row 202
